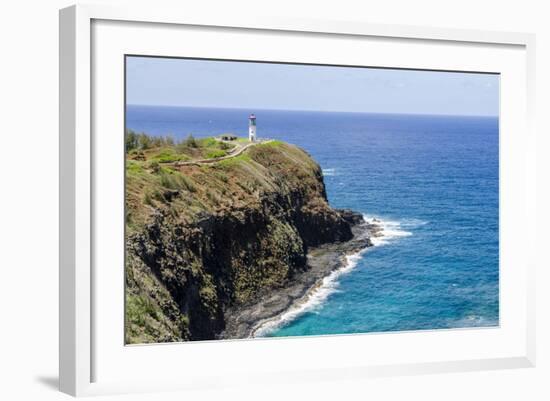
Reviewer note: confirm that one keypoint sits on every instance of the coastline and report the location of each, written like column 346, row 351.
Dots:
column 250, row 320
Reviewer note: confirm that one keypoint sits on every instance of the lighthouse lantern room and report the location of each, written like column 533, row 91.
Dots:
column 252, row 128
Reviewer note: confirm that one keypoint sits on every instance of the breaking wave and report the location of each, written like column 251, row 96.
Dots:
column 328, row 172
column 389, row 231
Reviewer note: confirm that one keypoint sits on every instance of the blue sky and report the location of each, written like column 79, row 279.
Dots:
column 202, row 83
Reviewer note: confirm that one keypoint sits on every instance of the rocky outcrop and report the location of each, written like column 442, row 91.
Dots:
column 221, row 239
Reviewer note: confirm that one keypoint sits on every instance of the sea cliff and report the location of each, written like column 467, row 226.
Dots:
column 205, row 243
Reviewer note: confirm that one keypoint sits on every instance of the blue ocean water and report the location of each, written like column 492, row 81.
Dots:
column 432, row 180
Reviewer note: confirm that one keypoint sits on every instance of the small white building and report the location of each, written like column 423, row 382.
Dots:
column 252, row 128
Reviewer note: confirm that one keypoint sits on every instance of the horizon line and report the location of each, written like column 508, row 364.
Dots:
column 315, row 111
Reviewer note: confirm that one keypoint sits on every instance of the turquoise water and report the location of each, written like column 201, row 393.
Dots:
column 431, row 180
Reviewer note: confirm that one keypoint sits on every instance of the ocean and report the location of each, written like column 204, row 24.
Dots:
column 432, row 181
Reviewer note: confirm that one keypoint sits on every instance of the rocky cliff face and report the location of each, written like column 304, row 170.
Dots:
column 203, row 238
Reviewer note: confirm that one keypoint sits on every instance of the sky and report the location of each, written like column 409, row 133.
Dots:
column 232, row 84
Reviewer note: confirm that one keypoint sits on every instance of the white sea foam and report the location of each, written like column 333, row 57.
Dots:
column 312, row 300
column 327, row 172
column 390, row 230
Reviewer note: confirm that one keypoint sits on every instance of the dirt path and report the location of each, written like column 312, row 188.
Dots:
column 217, row 159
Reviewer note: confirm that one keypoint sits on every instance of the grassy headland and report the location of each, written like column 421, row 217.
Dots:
column 203, row 237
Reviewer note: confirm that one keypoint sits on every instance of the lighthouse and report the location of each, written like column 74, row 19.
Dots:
column 252, row 128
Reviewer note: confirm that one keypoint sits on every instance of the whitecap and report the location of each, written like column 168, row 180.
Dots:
column 328, row 172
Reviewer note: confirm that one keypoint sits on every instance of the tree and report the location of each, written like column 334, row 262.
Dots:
column 191, row 142
column 131, row 140
column 145, row 141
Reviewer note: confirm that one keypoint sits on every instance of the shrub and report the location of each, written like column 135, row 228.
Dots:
column 133, row 166
column 169, row 155
column 188, row 184
column 209, row 142
column 222, row 176
column 190, row 142
column 145, row 141
column 215, row 153
column 131, row 140
column 225, row 146
column 173, row 180
column 138, row 308
column 166, row 156
column 148, row 199
column 168, row 181
column 154, row 166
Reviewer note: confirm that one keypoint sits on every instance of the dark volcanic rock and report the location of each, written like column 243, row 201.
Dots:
column 350, row 216
column 223, row 238
column 243, row 320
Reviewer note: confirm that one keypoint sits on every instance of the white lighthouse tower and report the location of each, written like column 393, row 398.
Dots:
column 252, row 128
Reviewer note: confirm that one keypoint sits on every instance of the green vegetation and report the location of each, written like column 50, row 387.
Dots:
column 174, row 180
column 147, row 305
column 138, row 308
column 273, row 143
column 164, row 149
column 135, row 141
column 169, row 155
column 208, row 142
column 154, row 180
column 213, row 154
column 133, row 167
column 190, row 142
column 173, row 211
column 242, row 158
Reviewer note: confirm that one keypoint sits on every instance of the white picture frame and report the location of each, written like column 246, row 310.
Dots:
column 84, row 354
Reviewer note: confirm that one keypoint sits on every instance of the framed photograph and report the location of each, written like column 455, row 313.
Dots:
column 272, row 199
